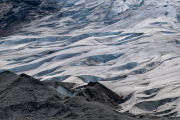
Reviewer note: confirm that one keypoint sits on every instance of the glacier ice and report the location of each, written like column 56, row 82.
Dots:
column 131, row 46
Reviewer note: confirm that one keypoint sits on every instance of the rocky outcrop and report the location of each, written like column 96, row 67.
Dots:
column 95, row 91
column 25, row 98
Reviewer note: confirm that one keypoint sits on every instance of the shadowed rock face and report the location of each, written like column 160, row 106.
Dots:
column 25, row 98
column 6, row 78
column 95, row 91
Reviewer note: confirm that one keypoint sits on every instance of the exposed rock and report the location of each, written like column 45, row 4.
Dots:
column 25, row 98
column 80, row 108
column 95, row 91
column 6, row 78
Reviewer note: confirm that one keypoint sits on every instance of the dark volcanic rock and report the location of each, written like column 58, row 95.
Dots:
column 27, row 89
column 25, row 98
column 95, row 91
column 6, row 78
column 82, row 110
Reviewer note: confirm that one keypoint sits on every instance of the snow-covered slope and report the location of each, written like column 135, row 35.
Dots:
column 131, row 46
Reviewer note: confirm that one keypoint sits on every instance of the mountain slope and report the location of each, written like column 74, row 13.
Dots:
column 26, row 98
column 131, row 46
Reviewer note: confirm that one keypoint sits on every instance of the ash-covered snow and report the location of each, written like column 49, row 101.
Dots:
column 131, row 46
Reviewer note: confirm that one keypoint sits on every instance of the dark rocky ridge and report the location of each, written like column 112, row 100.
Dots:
column 95, row 91
column 25, row 98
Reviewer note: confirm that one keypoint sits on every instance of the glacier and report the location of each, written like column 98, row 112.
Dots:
column 130, row 46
